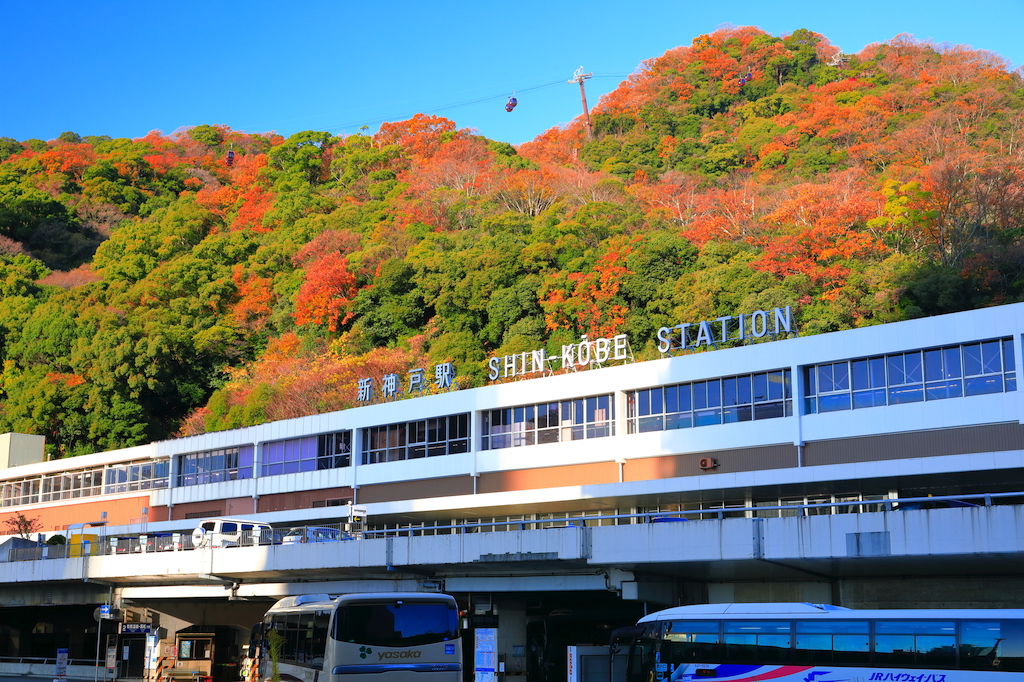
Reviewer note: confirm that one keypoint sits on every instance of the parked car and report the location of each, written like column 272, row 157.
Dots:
column 233, row 533
column 123, row 544
column 314, row 534
column 157, row 542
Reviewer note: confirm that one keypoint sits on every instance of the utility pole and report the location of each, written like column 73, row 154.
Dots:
column 578, row 77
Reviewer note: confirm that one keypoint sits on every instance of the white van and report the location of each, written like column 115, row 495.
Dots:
column 232, row 533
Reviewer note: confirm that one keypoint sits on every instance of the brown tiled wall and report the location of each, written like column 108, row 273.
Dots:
column 301, row 499
column 728, row 461
column 549, row 477
column 960, row 441
column 414, row 490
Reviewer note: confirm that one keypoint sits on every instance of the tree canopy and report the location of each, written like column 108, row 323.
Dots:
column 153, row 288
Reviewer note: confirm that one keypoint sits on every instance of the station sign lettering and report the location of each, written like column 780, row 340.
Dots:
column 573, row 356
column 726, row 330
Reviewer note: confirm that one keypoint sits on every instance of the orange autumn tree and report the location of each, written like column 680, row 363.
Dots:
column 326, row 295
column 291, row 379
column 588, row 302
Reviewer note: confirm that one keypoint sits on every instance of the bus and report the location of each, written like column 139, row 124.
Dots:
column 360, row 637
column 821, row 643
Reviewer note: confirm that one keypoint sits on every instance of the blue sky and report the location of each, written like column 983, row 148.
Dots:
column 125, row 67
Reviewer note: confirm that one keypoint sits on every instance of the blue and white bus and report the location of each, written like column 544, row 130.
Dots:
column 396, row 636
column 821, row 643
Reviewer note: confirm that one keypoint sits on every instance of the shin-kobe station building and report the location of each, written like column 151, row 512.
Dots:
column 741, row 427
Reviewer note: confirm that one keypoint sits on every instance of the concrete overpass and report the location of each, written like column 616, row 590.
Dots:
column 632, row 557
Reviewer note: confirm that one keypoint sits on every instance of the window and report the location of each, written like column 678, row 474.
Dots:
column 553, row 422
column 195, row 649
column 911, row 377
column 742, row 398
column 922, row 643
column 304, row 636
column 311, row 453
column 406, row 623
column 23, row 491
column 334, row 450
column 214, row 466
column 757, row 641
column 133, row 476
column 833, row 643
column 692, row 641
column 992, row 645
column 412, row 440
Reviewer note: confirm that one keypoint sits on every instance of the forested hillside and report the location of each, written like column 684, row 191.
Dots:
column 211, row 279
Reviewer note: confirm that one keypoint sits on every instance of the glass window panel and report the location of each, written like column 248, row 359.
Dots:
column 912, row 367
column 894, row 649
column 897, row 373
column 951, row 363
column 671, row 399
column 905, row 394
column 743, row 393
column 714, row 393
column 936, row 650
column 992, row 645
column 553, row 414
column 990, row 357
column 834, row 403
column 877, row 369
column 683, row 420
column 761, row 383
column 692, row 626
column 657, row 404
column 825, row 382
column 770, row 410
column 972, row 359
column 859, row 627
column 859, row 374
column 777, row 384
column 685, row 398
column 729, row 393
column 933, row 370
column 700, row 395
column 944, row 389
column 873, row 398
column 840, row 377
column 766, row 626
column 809, row 383
column 740, row 413
column 919, row 627
column 1009, row 364
column 707, row 417
column 983, row 385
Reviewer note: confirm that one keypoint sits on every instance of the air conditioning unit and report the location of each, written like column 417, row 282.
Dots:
column 708, row 463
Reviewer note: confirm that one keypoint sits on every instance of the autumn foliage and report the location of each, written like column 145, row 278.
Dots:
column 150, row 287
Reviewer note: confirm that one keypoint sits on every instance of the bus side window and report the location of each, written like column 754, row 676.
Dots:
column 321, row 620
column 991, row 645
column 691, row 642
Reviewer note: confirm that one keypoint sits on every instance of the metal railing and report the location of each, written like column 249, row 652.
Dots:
column 184, row 541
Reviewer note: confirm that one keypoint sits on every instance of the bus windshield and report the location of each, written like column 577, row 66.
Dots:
column 390, row 623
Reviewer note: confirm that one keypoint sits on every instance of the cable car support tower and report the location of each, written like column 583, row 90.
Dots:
column 578, row 77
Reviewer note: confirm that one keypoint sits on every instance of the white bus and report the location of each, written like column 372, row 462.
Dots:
column 822, row 643
column 392, row 636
